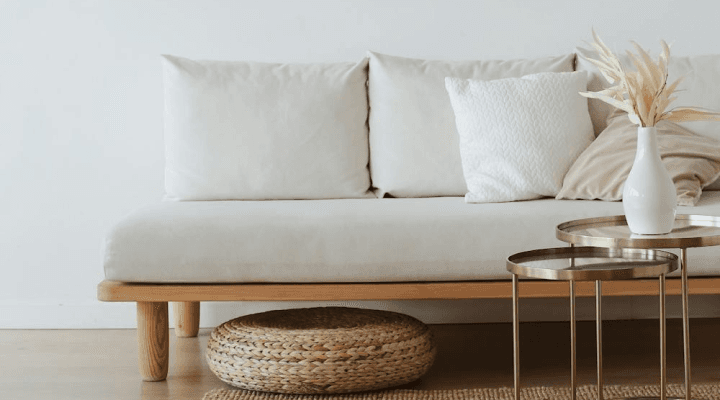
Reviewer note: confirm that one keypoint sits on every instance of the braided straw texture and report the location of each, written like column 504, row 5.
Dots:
column 320, row 350
column 586, row 392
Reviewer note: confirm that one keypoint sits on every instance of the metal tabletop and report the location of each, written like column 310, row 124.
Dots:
column 592, row 263
column 688, row 231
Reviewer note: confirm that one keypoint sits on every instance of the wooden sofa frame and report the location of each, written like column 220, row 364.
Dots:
column 152, row 301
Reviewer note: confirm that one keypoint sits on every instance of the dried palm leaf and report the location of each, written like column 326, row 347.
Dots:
column 654, row 72
column 685, row 114
column 610, row 100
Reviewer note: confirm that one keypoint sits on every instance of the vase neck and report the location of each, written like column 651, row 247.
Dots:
column 647, row 143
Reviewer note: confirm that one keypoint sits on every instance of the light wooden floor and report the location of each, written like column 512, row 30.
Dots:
column 101, row 364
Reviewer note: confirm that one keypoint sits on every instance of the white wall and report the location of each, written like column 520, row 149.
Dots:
column 81, row 111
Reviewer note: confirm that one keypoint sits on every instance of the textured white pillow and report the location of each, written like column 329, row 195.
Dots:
column 255, row 131
column 413, row 143
column 519, row 136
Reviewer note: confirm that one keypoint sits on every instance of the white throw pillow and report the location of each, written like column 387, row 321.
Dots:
column 413, row 143
column 255, row 131
column 698, row 89
column 519, row 136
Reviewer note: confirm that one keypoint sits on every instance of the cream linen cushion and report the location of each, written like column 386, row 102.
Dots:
column 519, row 136
column 254, row 131
column 698, row 88
column 413, row 142
column 693, row 161
column 348, row 240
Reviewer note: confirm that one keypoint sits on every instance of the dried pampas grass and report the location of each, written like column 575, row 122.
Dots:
column 644, row 94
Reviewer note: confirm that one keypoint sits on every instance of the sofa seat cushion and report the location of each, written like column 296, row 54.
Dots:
column 348, row 240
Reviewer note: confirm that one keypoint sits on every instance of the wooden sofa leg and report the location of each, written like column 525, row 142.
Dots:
column 187, row 318
column 153, row 340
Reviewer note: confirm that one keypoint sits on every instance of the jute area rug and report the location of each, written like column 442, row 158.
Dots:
column 586, row 392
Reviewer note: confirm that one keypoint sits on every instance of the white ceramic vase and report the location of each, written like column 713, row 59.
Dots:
column 649, row 195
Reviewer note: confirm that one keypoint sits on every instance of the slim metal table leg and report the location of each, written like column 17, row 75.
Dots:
column 686, row 321
column 663, row 332
column 516, row 336
column 573, row 335
column 598, row 333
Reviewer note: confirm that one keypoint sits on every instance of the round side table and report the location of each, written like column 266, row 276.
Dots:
column 688, row 231
column 589, row 264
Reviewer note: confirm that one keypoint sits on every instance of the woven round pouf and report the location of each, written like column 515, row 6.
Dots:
column 320, row 350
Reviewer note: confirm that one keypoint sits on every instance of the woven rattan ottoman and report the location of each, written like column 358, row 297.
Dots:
column 320, row 350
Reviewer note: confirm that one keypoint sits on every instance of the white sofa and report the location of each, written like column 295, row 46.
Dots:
column 254, row 211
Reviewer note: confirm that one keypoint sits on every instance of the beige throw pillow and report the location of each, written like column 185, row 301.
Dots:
column 695, row 90
column 600, row 172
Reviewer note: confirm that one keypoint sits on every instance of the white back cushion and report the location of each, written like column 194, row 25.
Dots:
column 255, row 131
column 698, row 88
column 413, row 142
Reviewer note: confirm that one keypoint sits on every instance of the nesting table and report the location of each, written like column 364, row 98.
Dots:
column 589, row 264
column 615, row 253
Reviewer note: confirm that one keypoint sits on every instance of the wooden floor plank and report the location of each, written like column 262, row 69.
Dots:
column 102, row 364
